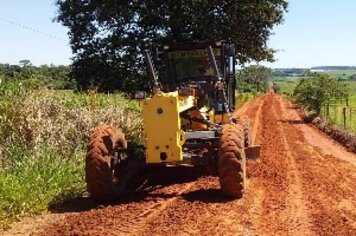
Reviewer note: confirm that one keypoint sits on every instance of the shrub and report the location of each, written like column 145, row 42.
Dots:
column 42, row 118
column 312, row 92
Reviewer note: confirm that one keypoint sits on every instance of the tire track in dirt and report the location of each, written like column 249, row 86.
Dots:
column 276, row 174
column 298, row 215
column 138, row 224
column 205, row 211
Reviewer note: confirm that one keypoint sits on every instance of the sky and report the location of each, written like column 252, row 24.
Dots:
column 314, row 33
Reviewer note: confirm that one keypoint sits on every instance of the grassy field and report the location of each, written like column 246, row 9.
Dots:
column 287, row 86
column 336, row 113
column 43, row 142
column 341, row 74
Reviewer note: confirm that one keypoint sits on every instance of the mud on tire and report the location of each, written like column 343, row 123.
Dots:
column 99, row 175
column 232, row 160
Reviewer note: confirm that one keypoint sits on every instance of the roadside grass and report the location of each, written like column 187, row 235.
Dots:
column 351, row 85
column 34, row 180
column 335, row 114
column 43, row 139
column 241, row 98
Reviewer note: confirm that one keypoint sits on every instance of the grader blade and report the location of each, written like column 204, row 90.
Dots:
column 253, row 152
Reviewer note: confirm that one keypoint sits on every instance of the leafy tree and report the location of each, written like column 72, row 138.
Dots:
column 107, row 37
column 311, row 92
column 254, row 78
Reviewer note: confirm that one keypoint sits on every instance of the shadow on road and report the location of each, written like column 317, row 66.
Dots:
column 78, row 204
column 151, row 180
column 293, row 122
column 206, row 196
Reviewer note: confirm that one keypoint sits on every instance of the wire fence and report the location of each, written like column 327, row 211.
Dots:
column 341, row 115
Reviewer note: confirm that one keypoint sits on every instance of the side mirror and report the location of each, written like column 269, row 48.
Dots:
column 138, row 95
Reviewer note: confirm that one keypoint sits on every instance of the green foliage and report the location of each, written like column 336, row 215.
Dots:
column 254, row 78
column 312, row 92
column 42, row 142
column 242, row 98
column 276, row 87
column 35, row 179
column 107, row 37
column 55, row 77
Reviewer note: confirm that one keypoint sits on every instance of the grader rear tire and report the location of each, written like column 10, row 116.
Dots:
column 99, row 175
column 232, row 160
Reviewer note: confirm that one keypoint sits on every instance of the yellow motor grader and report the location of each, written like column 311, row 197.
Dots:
column 187, row 121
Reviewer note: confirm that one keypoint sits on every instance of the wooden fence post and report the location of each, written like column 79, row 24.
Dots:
column 327, row 110
column 344, row 116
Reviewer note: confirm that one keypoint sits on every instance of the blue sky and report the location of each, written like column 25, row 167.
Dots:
column 315, row 32
column 17, row 43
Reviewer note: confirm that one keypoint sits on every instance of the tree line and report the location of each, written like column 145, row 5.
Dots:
column 51, row 76
column 253, row 78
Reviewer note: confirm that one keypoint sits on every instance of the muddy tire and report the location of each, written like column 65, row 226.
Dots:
column 99, row 176
column 246, row 125
column 232, row 160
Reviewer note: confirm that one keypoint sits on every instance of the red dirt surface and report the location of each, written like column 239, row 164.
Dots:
column 296, row 188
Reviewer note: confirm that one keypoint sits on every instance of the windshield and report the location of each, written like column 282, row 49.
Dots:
column 192, row 64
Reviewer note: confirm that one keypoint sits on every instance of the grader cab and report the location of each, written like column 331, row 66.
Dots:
column 187, row 121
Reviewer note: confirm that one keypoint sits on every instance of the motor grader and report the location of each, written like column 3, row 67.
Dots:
column 187, row 121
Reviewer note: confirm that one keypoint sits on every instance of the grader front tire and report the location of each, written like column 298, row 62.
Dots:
column 99, row 176
column 232, row 161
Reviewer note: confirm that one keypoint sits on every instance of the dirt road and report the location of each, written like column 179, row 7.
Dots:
column 305, row 184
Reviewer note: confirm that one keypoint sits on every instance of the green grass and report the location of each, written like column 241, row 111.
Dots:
column 341, row 74
column 351, row 85
column 287, row 86
column 92, row 99
column 241, row 98
column 336, row 116
column 35, row 179
column 42, row 143
column 336, row 113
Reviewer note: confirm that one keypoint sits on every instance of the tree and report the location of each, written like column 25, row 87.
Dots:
column 352, row 77
column 107, row 37
column 254, row 78
column 311, row 92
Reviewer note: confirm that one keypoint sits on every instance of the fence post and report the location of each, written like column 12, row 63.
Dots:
column 344, row 114
column 327, row 110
